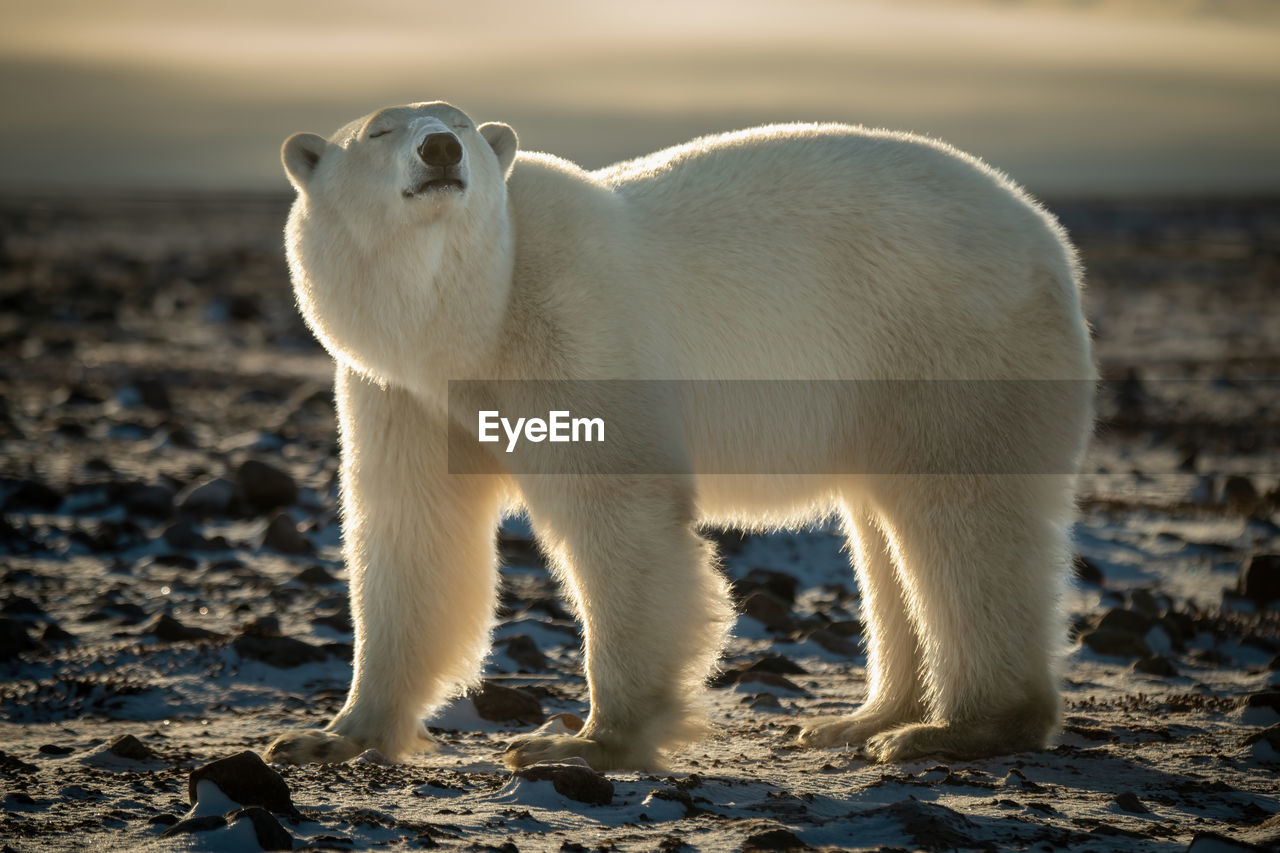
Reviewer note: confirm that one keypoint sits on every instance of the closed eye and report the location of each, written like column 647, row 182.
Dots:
column 378, row 133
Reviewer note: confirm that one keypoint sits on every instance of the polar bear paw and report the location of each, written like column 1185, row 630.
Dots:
column 597, row 753
column 312, row 746
column 325, row 746
column 974, row 739
column 917, row 741
column 852, row 729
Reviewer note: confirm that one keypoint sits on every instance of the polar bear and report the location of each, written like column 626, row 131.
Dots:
column 899, row 301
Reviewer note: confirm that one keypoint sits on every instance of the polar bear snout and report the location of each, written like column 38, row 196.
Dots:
column 441, row 150
column 440, row 164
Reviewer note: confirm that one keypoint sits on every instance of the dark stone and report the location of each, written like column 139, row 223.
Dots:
column 779, row 664
column 847, row 628
column 184, row 536
column 203, row 823
column 266, row 487
column 1239, row 493
column 1212, row 842
column 770, row 679
column 729, row 541
column 271, row 835
column 1087, row 571
column 169, row 630
column 1144, row 602
column 172, row 559
column 1129, row 802
column 768, row 610
column 833, row 643
column 339, row 621
column 10, row 764
column 1179, row 626
column 1156, row 665
column 341, row 651
column 778, row 584
column 933, row 826
column 1265, row 699
column 111, row 607
column 154, row 394
column 82, row 394
column 108, row 536
column 1110, row 641
column 149, row 501
column 551, row 606
column 18, row 605
column 56, row 749
column 88, row 499
column 246, row 779
column 1130, row 398
column 683, row 797
column 498, row 704
column 263, row 626
column 773, row 839
column 315, row 576
column 573, row 781
column 525, row 652
column 14, row 639
column 519, row 551
column 20, row 540
column 1260, row 578
column 1270, row 735
column 284, row 536
column 128, row 746
column 771, row 665
column 1210, row 657
column 32, row 496
column 216, row 498
column 1131, row 621
column 280, row 652
column 243, row 307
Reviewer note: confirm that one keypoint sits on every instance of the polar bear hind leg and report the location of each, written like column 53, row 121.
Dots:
column 982, row 558
column 894, row 690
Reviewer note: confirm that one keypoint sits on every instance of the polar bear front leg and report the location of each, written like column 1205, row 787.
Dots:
column 420, row 551
column 654, row 611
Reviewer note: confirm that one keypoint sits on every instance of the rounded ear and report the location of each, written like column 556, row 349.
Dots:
column 301, row 154
column 502, row 139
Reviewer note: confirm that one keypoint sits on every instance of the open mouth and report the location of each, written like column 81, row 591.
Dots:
column 433, row 185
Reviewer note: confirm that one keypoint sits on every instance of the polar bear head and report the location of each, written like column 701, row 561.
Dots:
column 411, row 162
column 399, row 241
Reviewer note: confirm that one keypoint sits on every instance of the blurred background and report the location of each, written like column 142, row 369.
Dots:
column 1071, row 97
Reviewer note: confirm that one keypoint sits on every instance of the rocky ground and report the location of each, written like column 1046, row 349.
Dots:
column 172, row 591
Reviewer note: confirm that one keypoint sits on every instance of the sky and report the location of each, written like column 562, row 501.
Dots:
column 1070, row 97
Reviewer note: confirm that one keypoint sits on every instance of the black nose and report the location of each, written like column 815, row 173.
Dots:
column 440, row 149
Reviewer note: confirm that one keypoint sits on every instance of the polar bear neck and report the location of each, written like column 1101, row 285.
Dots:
column 407, row 305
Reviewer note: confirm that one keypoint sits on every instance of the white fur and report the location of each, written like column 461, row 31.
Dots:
column 803, row 252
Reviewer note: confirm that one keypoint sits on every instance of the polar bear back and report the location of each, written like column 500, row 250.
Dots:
column 897, row 257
